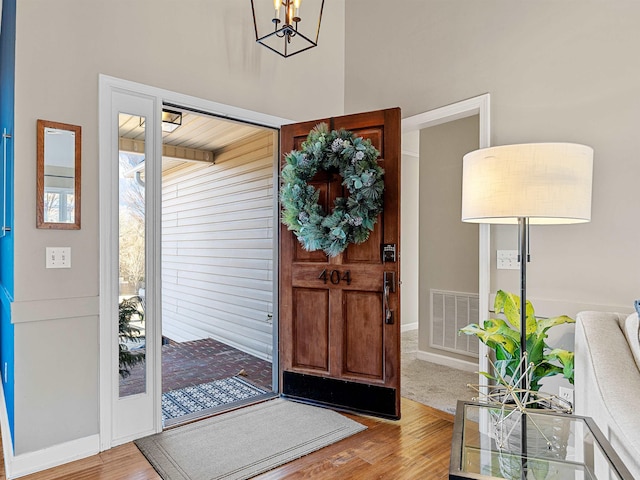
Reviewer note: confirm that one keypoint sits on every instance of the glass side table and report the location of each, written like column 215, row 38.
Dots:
column 487, row 444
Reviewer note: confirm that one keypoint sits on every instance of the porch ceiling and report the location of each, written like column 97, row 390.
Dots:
column 195, row 140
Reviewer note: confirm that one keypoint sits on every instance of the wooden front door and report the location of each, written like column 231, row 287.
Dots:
column 339, row 331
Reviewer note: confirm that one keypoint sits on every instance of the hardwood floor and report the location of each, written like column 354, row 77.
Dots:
column 418, row 446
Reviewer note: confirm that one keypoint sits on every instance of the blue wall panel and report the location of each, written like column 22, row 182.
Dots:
column 7, row 91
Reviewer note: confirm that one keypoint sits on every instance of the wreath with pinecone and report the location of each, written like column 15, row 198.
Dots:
column 353, row 218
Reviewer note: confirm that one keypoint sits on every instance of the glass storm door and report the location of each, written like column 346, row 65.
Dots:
column 134, row 317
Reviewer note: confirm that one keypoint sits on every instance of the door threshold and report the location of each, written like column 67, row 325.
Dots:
column 215, row 411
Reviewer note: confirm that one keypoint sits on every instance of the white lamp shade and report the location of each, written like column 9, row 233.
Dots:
column 548, row 183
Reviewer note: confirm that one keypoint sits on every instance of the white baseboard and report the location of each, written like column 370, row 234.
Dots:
column 470, row 366
column 7, row 443
column 31, row 462
column 406, row 327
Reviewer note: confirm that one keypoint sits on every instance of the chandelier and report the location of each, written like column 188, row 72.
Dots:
column 279, row 25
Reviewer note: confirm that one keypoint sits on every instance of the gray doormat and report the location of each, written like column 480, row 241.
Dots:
column 245, row 442
column 184, row 401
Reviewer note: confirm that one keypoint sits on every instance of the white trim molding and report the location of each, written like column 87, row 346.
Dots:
column 54, row 309
column 479, row 105
column 447, row 361
column 194, row 103
column 409, row 153
column 407, row 327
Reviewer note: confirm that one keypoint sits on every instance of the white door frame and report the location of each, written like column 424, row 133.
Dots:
column 108, row 87
column 480, row 106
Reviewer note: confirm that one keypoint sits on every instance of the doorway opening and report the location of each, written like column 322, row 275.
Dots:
column 446, row 272
column 217, row 262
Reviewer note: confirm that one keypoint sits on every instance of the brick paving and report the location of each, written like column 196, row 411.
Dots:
column 200, row 361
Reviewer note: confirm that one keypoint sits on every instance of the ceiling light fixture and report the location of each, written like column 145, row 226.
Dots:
column 170, row 120
column 285, row 36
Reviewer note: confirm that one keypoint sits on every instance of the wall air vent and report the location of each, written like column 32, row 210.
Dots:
column 451, row 311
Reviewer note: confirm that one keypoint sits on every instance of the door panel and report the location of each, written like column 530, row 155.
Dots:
column 369, row 251
column 336, row 347
column 364, row 336
column 311, row 318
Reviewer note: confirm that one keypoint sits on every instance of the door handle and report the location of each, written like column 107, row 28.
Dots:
column 389, row 281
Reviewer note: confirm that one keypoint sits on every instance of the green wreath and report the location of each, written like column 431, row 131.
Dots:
column 352, row 219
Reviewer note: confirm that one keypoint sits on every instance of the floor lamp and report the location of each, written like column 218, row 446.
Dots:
column 527, row 184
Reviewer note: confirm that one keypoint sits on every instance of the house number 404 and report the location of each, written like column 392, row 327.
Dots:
column 335, row 276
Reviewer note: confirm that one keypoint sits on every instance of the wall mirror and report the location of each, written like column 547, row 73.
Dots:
column 58, row 175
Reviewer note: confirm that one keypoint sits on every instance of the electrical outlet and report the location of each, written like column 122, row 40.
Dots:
column 566, row 394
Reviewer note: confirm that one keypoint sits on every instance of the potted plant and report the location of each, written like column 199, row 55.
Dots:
column 503, row 337
column 129, row 309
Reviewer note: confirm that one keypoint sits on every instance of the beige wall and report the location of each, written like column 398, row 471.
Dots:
column 448, row 247
column 203, row 48
column 556, row 71
column 56, row 381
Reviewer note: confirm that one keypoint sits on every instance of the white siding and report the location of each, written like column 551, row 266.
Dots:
column 217, row 248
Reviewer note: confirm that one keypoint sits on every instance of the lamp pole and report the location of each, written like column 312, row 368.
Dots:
column 523, row 257
column 523, row 254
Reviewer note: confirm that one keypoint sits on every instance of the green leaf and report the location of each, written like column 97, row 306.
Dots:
column 535, row 349
column 509, row 304
column 487, row 375
column 566, row 359
column 507, row 368
column 483, row 335
column 495, row 332
column 497, row 325
column 541, row 371
column 545, row 324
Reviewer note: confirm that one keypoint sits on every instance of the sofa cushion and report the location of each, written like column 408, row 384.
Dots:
column 632, row 333
column 607, row 382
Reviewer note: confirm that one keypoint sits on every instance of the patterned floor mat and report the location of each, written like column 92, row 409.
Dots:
column 184, row 401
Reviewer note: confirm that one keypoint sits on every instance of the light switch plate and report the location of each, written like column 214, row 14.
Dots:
column 58, row 257
column 507, row 260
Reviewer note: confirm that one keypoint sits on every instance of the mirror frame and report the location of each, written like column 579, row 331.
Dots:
column 40, row 223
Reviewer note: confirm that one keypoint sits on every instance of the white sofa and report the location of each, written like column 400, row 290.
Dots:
column 607, row 380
